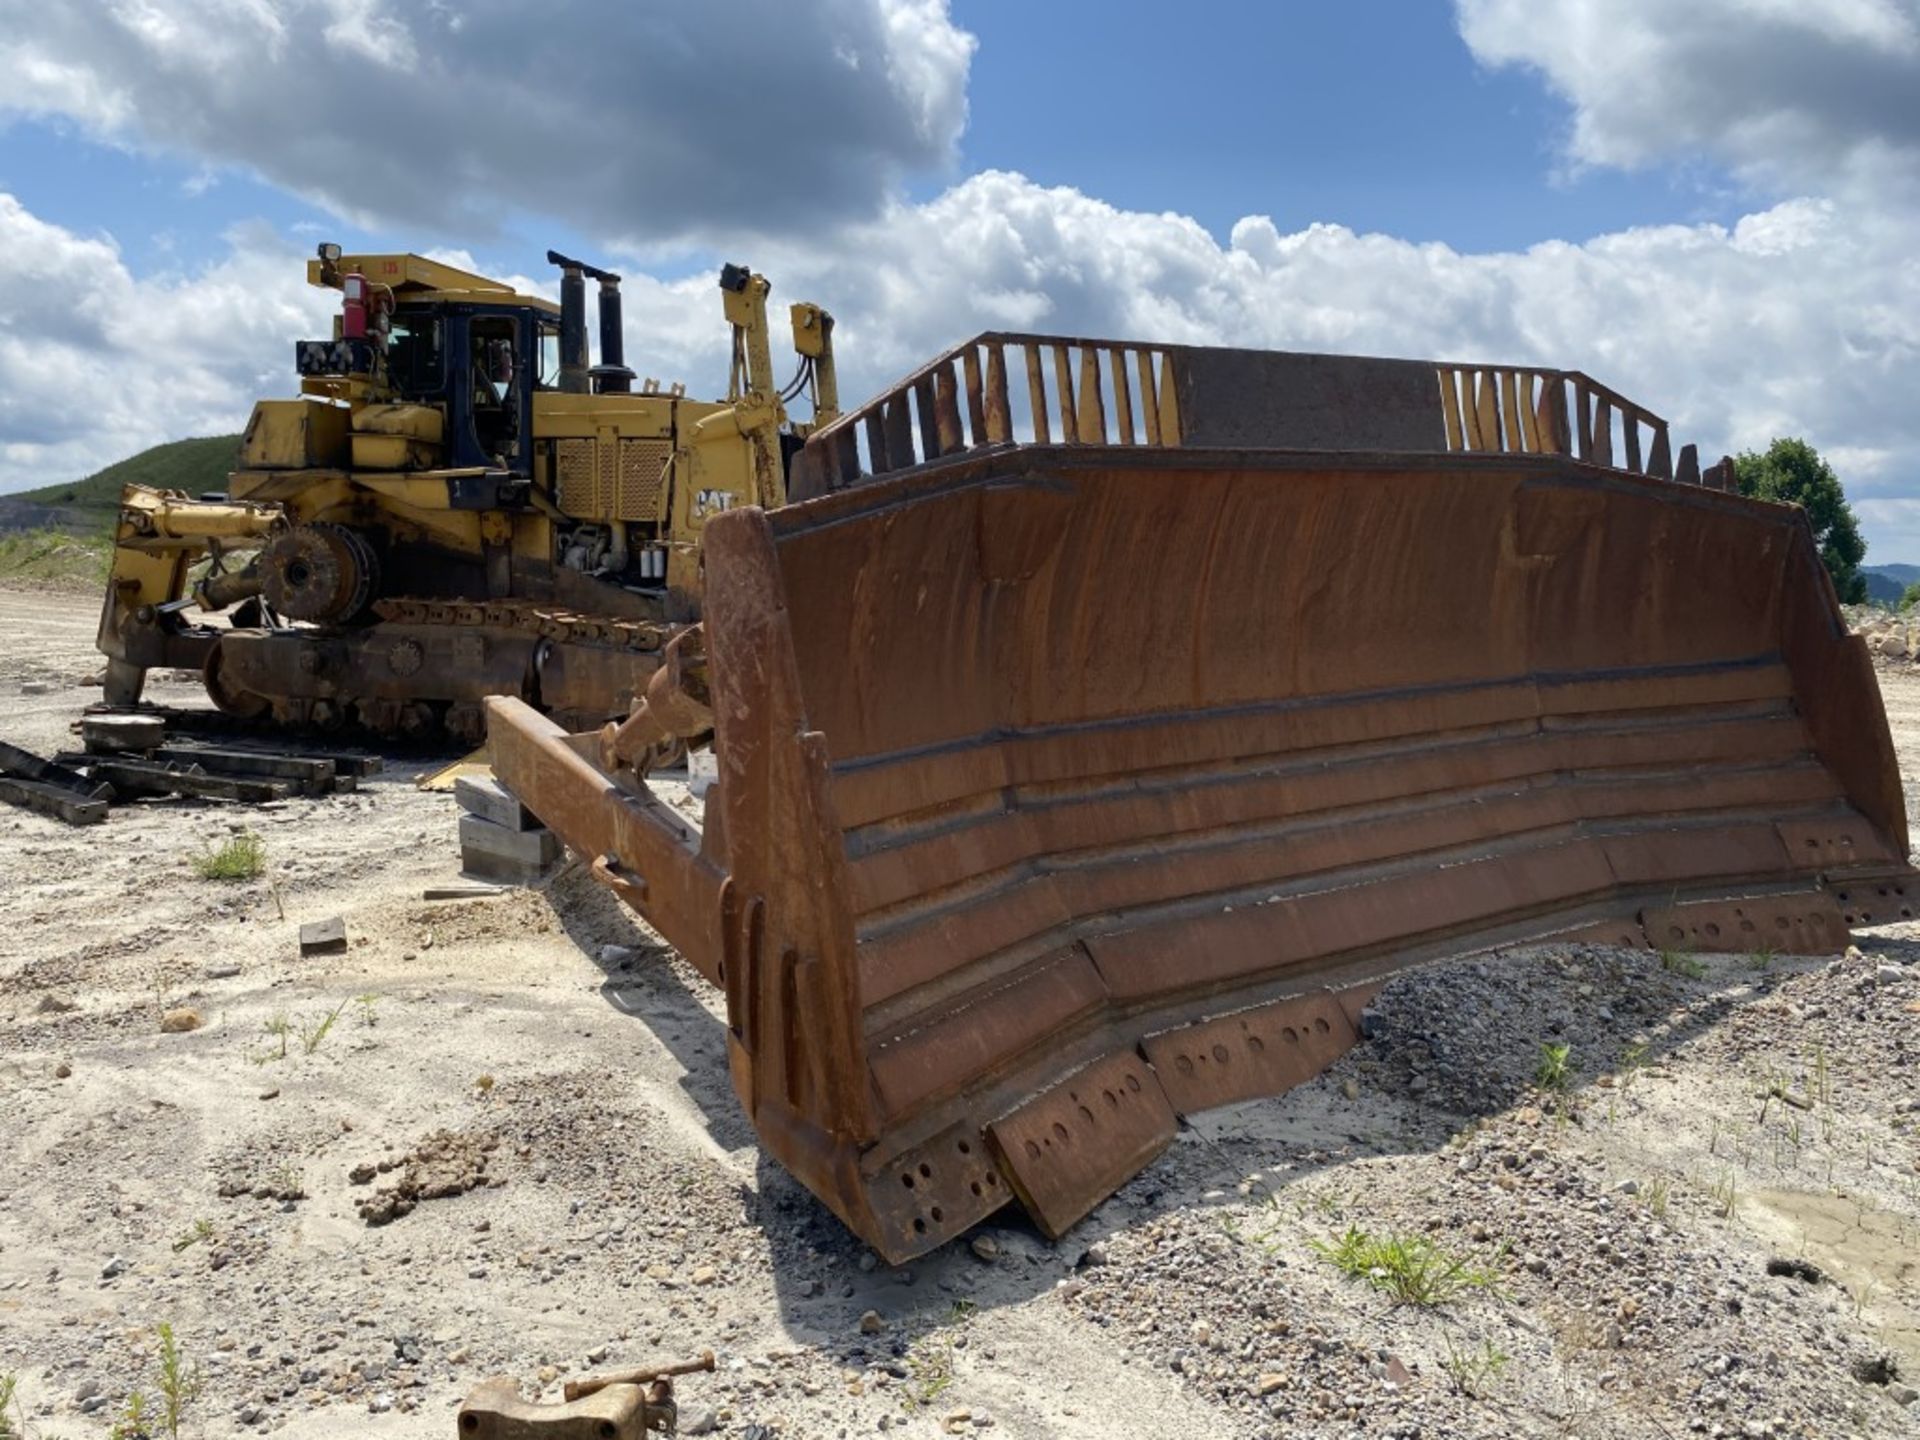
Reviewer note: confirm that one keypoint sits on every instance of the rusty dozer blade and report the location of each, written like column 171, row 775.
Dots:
column 1067, row 789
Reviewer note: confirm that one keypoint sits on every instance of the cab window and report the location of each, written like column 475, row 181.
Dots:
column 416, row 357
column 548, row 374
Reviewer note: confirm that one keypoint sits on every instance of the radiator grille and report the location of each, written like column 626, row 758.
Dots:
column 612, row 480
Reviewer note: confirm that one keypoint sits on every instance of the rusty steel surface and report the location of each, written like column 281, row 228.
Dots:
column 1066, row 789
column 624, row 1404
column 1123, row 393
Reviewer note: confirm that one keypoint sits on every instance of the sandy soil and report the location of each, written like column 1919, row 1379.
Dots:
column 213, row 1180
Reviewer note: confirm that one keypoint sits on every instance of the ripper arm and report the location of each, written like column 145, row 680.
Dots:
column 160, row 536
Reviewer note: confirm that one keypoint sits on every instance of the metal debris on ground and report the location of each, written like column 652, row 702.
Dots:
column 447, row 776
column 619, row 1405
column 155, row 778
column 126, row 757
column 311, row 774
column 50, row 788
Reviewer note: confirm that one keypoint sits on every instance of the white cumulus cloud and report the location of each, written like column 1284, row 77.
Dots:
column 1802, row 317
column 95, row 364
column 1791, row 94
column 650, row 121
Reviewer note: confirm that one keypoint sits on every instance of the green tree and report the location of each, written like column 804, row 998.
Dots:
column 1909, row 598
column 1792, row 471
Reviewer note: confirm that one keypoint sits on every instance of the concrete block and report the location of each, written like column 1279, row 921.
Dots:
column 703, row 771
column 110, row 734
column 524, row 847
column 486, row 797
column 482, row 866
column 323, row 937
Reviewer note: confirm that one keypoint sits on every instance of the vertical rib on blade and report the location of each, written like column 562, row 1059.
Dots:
column 1057, row 774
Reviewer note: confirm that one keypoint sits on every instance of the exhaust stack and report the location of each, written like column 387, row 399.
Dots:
column 574, row 375
column 611, row 376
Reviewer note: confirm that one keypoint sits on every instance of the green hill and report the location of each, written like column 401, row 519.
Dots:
column 1887, row 583
column 194, row 466
column 61, row 535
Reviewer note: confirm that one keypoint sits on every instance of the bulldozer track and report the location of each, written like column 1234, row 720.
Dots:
column 547, row 629
column 547, row 622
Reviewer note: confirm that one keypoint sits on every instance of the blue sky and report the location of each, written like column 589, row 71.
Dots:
column 1367, row 113
column 1571, row 182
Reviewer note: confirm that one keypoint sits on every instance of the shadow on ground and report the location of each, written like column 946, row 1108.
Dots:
column 1410, row 1086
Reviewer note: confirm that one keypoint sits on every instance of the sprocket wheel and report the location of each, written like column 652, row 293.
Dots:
column 322, row 573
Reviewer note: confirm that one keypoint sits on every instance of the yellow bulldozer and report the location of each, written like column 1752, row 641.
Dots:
column 458, row 505
column 1097, row 723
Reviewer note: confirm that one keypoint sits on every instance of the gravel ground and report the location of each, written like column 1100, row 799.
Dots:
column 515, row 1151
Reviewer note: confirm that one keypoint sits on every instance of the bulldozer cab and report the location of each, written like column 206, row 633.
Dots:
column 483, row 363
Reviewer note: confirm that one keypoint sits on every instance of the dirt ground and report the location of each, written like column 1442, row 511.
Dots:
column 543, row 1058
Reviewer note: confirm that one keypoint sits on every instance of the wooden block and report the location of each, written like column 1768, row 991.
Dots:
column 324, row 937
column 486, row 797
column 53, row 800
column 110, row 734
column 479, row 836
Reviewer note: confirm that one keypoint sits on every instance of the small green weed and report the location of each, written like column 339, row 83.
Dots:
column 199, row 1233
column 13, row 1414
column 1681, row 962
column 367, row 1003
column 1555, row 1068
column 1657, row 1197
column 135, row 1423
column 929, row 1375
column 930, row 1363
column 179, row 1381
column 1410, row 1268
column 279, row 1027
column 1633, row 1060
column 242, row 857
column 1473, row 1370
column 314, row 1033
column 1726, row 1194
